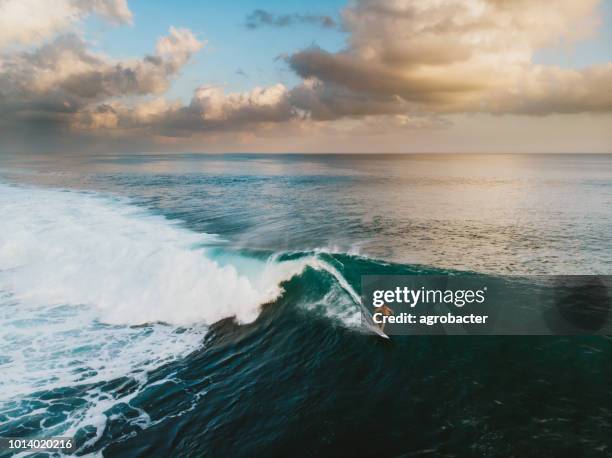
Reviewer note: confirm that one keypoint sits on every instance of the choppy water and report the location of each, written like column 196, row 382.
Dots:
column 204, row 305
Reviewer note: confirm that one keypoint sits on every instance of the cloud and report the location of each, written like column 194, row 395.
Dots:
column 116, row 11
column 261, row 18
column 66, row 67
column 329, row 101
column 454, row 56
column 211, row 103
column 32, row 21
column 407, row 65
column 176, row 48
column 62, row 85
column 210, row 110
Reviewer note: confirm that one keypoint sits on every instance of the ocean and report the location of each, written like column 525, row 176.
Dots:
column 206, row 305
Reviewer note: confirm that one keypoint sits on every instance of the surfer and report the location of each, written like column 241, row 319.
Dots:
column 386, row 311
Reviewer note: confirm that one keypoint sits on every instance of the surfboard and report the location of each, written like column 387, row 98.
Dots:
column 369, row 322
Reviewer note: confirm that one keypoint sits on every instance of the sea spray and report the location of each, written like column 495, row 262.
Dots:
column 133, row 266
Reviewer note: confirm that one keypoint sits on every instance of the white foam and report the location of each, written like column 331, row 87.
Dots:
column 134, row 267
column 70, row 261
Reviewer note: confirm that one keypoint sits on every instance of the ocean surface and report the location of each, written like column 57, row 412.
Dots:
column 207, row 305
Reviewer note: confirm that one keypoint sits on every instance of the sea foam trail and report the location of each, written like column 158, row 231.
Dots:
column 66, row 247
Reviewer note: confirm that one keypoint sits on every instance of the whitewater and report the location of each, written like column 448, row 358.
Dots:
column 94, row 288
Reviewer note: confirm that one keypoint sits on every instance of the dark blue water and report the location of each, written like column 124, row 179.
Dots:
column 124, row 321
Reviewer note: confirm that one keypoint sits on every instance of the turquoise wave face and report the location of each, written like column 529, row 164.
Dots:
column 124, row 319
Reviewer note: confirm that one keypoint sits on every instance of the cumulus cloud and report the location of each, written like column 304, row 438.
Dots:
column 328, row 101
column 407, row 65
column 461, row 56
column 66, row 67
column 57, row 84
column 211, row 103
column 210, row 109
column 261, row 18
column 176, row 48
column 31, row 21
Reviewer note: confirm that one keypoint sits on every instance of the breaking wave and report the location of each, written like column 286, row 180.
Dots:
column 95, row 289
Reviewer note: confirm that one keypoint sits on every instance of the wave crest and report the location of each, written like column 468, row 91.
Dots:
column 59, row 247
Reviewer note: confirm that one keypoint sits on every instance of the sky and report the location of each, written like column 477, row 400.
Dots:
column 296, row 76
